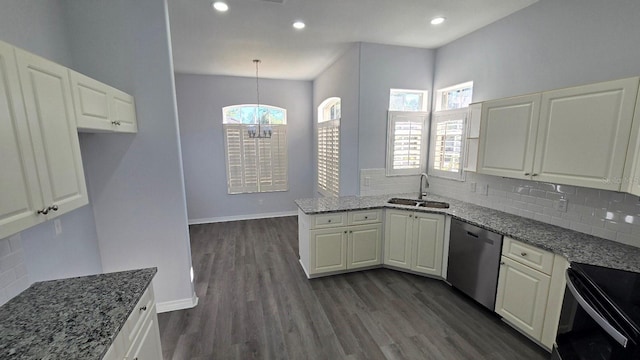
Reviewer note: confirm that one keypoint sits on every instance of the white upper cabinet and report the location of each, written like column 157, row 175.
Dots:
column 20, row 196
column 575, row 136
column 583, row 134
column 100, row 107
column 507, row 144
column 631, row 176
column 51, row 118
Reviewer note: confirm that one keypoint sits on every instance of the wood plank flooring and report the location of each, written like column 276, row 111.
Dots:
column 256, row 303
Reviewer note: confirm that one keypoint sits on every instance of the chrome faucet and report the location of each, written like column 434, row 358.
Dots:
column 426, row 178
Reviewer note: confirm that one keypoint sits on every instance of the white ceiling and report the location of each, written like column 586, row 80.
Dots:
column 207, row 42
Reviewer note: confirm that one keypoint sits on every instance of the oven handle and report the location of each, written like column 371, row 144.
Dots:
column 604, row 324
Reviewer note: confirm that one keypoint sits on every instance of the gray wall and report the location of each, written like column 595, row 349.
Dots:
column 362, row 77
column 341, row 79
column 550, row 44
column 135, row 180
column 39, row 27
column 383, row 67
column 200, row 102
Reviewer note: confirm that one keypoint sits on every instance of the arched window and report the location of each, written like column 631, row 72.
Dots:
column 329, row 113
column 255, row 141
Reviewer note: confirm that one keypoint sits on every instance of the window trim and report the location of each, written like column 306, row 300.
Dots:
column 391, row 120
column 445, row 115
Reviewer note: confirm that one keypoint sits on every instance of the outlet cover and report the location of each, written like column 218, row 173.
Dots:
column 562, row 205
column 57, row 224
column 472, row 187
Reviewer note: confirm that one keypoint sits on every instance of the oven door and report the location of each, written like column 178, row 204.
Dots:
column 591, row 325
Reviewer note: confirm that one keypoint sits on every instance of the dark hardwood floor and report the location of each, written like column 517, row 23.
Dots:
column 256, row 303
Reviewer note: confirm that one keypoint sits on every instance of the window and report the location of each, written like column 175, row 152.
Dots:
column 329, row 113
column 255, row 165
column 408, row 100
column 405, row 142
column 447, row 131
column 454, row 97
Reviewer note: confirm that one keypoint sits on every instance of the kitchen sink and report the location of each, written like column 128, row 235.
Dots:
column 419, row 203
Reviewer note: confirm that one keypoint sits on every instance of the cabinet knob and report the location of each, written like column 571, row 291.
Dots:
column 329, row 220
column 54, row 207
column 523, row 253
column 117, row 123
column 366, row 217
column 410, row 215
column 44, row 211
column 501, row 262
column 350, row 231
column 144, row 308
column 345, row 231
column 534, row 174
column 527, row 174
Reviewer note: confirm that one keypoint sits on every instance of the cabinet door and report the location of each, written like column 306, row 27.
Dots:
column 428, row 240
column 583, row 134
column 91, row 102
column 397, row 238
column 20, row 196
column 364, row 246
column 123, row 110
column 508, row 135
column 51, row 117
column 328, row 249
column 522, row 297
column 146, row 346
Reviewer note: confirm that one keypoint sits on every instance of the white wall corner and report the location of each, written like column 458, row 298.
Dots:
column 181, row 304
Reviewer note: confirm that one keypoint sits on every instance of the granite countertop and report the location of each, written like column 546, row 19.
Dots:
column 76, row 318
column 573, row 245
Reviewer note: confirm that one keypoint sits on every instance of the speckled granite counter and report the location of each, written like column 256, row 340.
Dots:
column 75, row 318
column 573, row 245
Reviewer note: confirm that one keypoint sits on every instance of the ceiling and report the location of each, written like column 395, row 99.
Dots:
column 205, row 41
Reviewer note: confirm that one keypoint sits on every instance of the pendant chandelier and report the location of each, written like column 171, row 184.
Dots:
column 259, row 131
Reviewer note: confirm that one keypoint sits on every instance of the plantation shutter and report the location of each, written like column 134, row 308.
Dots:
column 329, row 157
column 255, row 165
column 273, row 160
column 447, row 134
column 405, row 142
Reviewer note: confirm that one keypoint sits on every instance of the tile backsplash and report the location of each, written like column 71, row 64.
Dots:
column 13, row 271
column 606, row 214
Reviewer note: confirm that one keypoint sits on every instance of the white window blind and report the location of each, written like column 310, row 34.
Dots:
column 447, row 134
column 405, row 143
column 329, row 157
column 256, row 165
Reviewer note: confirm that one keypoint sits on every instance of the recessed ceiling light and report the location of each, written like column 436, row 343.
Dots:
column 220, row 6
column 299, row 25
column 437, row 20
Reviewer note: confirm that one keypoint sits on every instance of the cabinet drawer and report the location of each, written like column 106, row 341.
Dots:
column 138, row 315
column 528, row 255
column 365, row 217
column 329, row 220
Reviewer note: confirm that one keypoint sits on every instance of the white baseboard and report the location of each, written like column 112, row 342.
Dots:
column 242, row 217
column 177, row 304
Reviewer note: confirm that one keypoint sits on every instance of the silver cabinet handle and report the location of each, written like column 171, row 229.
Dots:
column 527, row 174
column 44, row 211
column 501, row 262
column 534, row 174
column 117, row 123
column 144, row 308
column 54, row 207
column 523, row 253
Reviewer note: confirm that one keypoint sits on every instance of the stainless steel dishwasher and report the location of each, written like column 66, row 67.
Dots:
column 474, row 262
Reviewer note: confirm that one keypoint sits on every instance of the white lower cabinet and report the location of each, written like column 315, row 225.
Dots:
column 330, row 243
column 522, row 296
column 139, row 338
column 414, row 241
column 530, row 290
